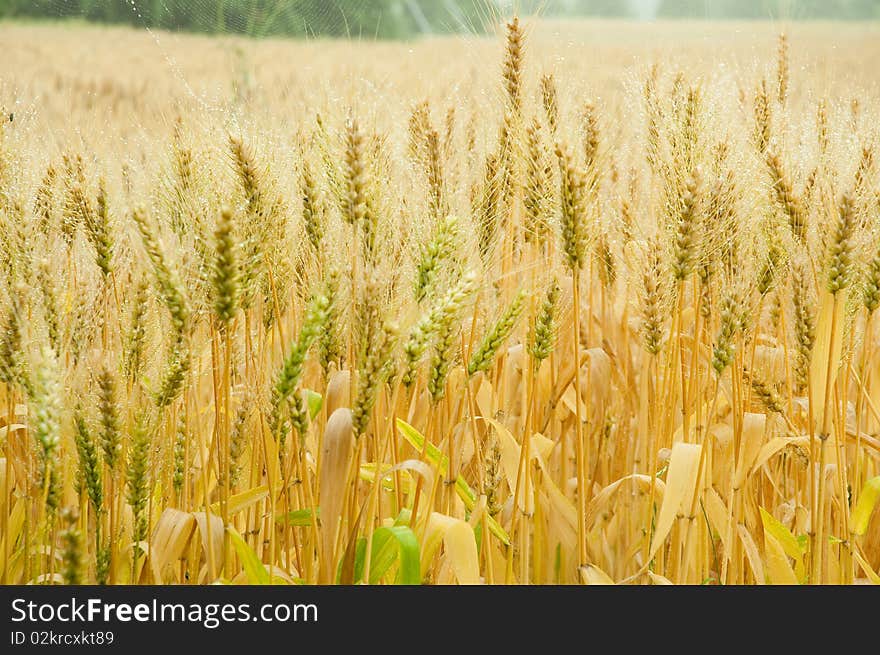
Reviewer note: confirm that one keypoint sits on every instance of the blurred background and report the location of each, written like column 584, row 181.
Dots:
column 401, row 19
column 128, row 67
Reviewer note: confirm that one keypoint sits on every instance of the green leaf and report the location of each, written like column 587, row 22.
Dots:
column 438, row 459
column 356, row 566
column 868, row 500
column 404, row 518
column 314, row 401
column 301, row 518
column 478, row 535
column 786, row 539
column 254, row 569
column 395, row 544
column 351, row 570
column 792, row 546
column 417, row 441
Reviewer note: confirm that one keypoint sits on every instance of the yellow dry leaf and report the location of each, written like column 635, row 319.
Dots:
column 243, row 500
column 872, row 575
column 774, row 446
column 868, row 501
column 561, row 516
column 415, row 466
column 718, row 516
column 335, row 455
column 752, row 439
column 461, row 550
column 215, row 534
column 465, row 448
column 752, row 553
column 483, row 396
column 659, row 580
column 681, row 480
column 171, row 536
column 601, row 499
column 568, row 400
column 782, row 534
column 593, row 575
column 460, row 546
column 511, row 452
column 779, row 570
column 368, row 474
column 338, row 391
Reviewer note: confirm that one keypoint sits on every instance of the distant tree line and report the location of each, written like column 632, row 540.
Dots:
column 403, row 18
column 717, row 9
column 788, row 9
column 360, row 18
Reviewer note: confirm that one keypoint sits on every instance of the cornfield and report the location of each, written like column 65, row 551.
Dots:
column 513, row 311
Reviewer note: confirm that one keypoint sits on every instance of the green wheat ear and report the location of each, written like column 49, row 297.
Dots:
column 137, row 476
column 291, row 372
column 546, row 321
column 484, row 355
column 225, row 278
column 542, row 339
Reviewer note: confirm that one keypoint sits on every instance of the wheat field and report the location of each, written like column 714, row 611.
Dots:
column 570, row 303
